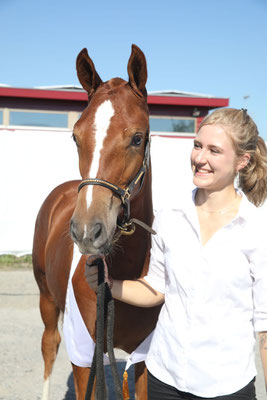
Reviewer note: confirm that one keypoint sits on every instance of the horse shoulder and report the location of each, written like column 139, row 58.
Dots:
column 52, row 246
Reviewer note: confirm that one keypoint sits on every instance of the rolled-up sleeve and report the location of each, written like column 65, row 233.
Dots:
column 258, row 259
column 156, row 272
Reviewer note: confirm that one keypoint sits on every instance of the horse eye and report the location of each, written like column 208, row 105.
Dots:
column 137, row 139
column 74, row 138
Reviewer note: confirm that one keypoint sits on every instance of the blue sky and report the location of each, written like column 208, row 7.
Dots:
column 204, row 46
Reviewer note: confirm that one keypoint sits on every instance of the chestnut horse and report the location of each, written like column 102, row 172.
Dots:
column 111, row 137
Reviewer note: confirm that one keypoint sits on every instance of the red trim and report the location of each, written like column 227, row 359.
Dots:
column 188, row 101
column 82, row 96
column 44, row 94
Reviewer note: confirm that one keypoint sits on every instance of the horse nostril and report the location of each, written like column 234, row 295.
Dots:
column 73, row 230
column 96, row 231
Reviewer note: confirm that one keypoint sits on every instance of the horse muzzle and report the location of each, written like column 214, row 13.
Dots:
column 91, row 238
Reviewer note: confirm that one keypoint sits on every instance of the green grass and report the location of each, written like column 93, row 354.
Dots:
column 8, row 261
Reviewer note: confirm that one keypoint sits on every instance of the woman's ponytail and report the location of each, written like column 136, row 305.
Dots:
column 253, row 178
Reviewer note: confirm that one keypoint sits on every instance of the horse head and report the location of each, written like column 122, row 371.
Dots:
column 111, row 137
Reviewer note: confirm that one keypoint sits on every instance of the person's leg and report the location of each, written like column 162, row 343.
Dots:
column 246, row 393
column 158, row 390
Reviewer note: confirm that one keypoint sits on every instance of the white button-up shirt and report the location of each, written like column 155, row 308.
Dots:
column 215, row 300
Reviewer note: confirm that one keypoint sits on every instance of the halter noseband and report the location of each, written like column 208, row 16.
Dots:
column 126, row 226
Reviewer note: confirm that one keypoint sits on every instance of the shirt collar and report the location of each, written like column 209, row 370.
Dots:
column 246, row 208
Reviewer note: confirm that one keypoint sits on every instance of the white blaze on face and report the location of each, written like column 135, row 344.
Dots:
column 103, row 115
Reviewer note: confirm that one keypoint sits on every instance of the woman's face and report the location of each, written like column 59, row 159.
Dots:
column 213, row 160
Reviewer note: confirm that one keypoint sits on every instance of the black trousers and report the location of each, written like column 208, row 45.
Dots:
column 158, row 390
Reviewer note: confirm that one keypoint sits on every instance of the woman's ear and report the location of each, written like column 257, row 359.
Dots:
column 243, row 162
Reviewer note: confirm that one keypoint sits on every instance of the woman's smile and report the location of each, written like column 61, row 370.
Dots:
column 202, row 171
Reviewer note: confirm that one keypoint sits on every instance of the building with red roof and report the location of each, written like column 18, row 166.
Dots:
column 172, row 113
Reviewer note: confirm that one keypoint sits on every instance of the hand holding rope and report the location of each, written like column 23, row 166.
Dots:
column 105, row 316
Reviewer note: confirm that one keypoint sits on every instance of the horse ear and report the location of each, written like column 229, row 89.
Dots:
column 137, row 71
column 86, row 72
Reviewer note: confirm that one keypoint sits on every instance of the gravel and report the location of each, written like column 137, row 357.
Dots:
column 21, row 367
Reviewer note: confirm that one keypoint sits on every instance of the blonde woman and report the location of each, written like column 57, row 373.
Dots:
column 209, row 267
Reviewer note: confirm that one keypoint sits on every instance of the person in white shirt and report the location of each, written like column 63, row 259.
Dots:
column 209, row 267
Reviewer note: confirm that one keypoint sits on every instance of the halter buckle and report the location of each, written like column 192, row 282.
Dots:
column 128, row 228
column 126, row 195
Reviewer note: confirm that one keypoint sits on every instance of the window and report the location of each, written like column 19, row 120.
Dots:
column 1, row 117
column 172, row 124
column 43, row 119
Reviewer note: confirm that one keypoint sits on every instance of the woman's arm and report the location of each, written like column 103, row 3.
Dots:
column 263, row 352
column 137, row 293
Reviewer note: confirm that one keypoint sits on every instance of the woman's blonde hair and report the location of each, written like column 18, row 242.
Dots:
column 245, row 138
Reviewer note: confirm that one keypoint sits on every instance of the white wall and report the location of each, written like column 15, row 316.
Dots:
column 171, row 171
column 33, row 162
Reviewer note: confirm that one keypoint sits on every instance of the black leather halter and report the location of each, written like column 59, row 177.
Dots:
column 126, row 225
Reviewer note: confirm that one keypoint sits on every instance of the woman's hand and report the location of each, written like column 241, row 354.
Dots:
column 91, row 272
column 135, row 292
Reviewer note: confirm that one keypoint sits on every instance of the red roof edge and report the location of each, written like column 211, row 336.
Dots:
column 43, row 94
column 82, row 96
column 189, row 101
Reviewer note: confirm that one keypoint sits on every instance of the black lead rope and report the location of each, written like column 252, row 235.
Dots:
column 105, row 315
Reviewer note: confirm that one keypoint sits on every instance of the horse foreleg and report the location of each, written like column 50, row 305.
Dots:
column 80, row 377
column 140, row 375
column 50, row 340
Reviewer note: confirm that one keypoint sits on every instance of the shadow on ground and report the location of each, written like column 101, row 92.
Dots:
column 70, row 394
